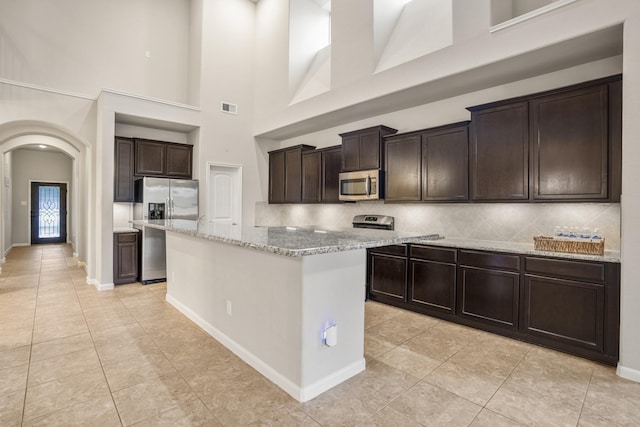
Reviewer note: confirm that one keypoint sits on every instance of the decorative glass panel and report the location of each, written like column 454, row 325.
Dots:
column 49, row 212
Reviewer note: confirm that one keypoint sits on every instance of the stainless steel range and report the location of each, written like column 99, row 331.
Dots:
column 380, row 222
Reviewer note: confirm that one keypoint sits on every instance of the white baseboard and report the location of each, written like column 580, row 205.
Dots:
column 301, row 394
column 628, row 373
column 15, row 245
column 99, row 286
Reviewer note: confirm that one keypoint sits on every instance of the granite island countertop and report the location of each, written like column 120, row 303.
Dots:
column 290, row 241
column 520, row 248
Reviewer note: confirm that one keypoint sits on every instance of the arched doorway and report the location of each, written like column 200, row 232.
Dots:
column 16, row 138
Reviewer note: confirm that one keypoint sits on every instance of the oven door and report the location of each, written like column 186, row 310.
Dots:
column 363, row 185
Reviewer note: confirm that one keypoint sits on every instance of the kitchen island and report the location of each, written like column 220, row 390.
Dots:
column 269, row 293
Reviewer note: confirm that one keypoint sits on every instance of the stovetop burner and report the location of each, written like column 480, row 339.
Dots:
column 380, row 222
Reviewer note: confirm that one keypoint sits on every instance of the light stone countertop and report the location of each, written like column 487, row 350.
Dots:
column 520, row 248
column 125, row 230
column 290, row 241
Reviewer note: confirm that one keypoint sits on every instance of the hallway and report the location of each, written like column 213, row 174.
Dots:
column 70, row 355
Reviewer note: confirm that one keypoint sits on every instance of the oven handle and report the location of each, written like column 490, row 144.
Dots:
column 368, row 186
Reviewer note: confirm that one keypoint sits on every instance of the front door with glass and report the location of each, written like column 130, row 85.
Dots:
column 48, row 212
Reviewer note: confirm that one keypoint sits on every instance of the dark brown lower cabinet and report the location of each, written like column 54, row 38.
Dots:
column 388, row 274
column 125, row 258
column 569, row 305
column 432, row 279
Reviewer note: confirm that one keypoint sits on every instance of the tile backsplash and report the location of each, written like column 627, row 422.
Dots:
column 509, row 222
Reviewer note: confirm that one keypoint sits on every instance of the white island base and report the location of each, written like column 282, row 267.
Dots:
column 271, row 310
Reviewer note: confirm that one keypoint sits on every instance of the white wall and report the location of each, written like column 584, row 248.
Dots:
column 83, row 46
column 36, row 165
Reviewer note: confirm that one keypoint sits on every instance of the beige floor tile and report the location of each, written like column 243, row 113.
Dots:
column 436, row 344
column 495, row 361
column 477, row 386
column 431, row 405
column 118, row 334
column 361, row 396
column 190, row 413
column 13, row 379
column 151, row 398
column 61, row 329
column 611, row 400
column 289, row 415
column 11, row 405
column 65, row 392
column 375, row 313
column 15, row 357
column 61, row 346
column 242, row 402
column 98, row 412
column 62, row 366
column 15, row 336
column 402, row 327
column 375, row 346
column 487, row 418
column 412, row 363
column 388, row 416
column 533, row 408
column 128, row 372
column 135, row 348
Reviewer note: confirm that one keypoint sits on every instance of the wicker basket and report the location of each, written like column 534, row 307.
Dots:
column 549, row 244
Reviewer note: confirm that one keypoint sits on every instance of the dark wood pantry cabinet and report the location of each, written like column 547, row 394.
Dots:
column 123, row 170
column 565, row 304
column 362, row 149
column 125, row 257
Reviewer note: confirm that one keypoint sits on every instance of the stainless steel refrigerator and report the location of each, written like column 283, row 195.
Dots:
column 161, row 198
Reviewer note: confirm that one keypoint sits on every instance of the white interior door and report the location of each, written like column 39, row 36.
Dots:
column 225, row 195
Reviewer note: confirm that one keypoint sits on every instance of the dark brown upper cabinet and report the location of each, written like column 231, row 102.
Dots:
column 428, row 165
column 559, row 145
column 445, row 163
column 312, row 177
column 164, row 159
column 124, row 169
column 500, row 152
column 331, row 164
column 363, row 149
column 570, row 144
column 403, row 168
column 285, row 174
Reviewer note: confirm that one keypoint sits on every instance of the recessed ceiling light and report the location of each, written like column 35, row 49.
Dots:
column 42, row 146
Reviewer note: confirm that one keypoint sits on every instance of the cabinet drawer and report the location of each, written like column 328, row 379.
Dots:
column 399, row 250
column 126, row 237
column 431, row 253
column 490, row 260
column 578, row 270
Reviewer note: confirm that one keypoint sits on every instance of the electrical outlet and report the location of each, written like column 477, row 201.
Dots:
column 228, row 308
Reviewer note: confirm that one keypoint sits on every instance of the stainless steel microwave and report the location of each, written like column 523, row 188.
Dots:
column 361, row 185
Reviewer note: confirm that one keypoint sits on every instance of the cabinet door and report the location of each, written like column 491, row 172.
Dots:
column 500, row 153
column 445, row 165
column 179, row 161
column 387, row 277
column 432, row 285
column 276, row 177
column 403, row 174
column 351, row 153
column 565, row 311
column 123, row 170
column 311, row 174
column 331, row 163
column 489, row 296
column 150, row 158
column 125, row 259
column 370, row 150
column 570, row 141
column 293, row 176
